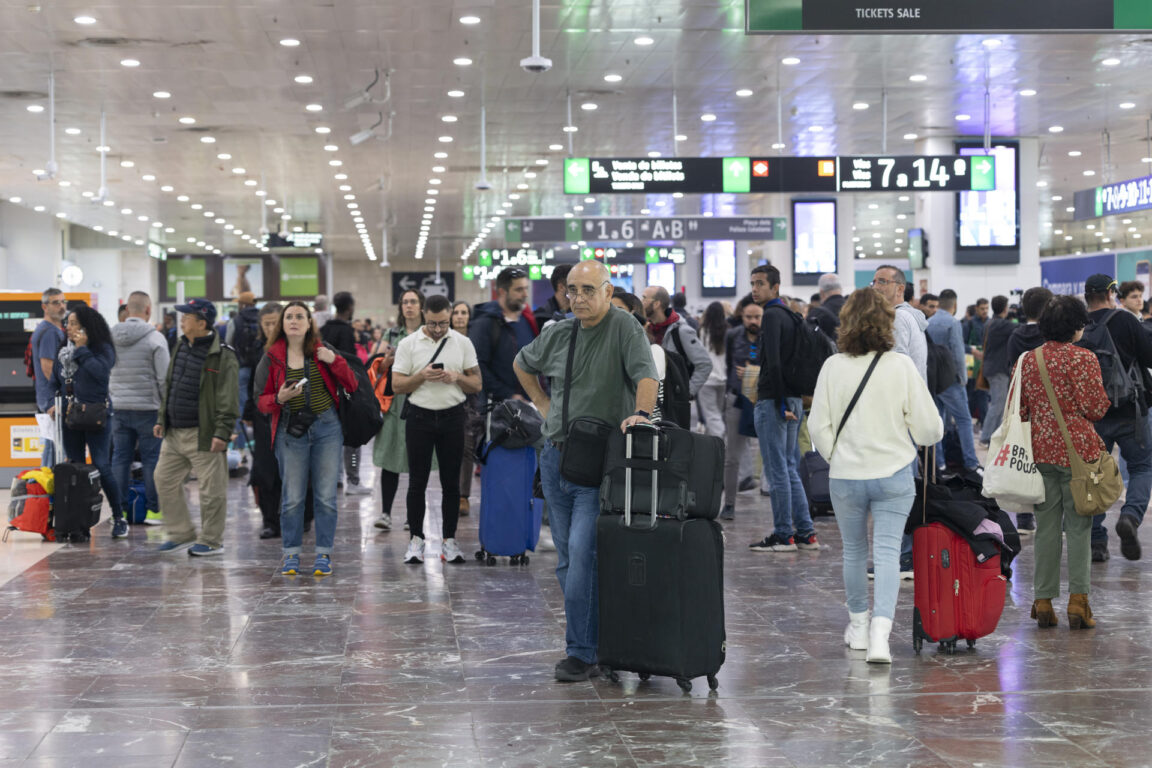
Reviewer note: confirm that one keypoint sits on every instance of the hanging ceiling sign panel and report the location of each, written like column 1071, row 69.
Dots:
column 1122, row 197
column 645, row 228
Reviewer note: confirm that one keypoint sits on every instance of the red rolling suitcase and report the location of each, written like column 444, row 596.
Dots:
column 956, row 596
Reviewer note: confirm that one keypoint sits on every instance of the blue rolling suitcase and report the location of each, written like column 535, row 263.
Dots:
column 509, row 516
column 137, row 503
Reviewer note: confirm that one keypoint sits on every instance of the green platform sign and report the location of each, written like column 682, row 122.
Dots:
column 577, row 176
column 944, row 16
column 299, row 276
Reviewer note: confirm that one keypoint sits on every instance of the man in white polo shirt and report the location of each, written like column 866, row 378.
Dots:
column 436, row 367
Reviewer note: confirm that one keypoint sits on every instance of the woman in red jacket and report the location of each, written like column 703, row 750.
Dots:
column 1076, row 381
column 300, row 379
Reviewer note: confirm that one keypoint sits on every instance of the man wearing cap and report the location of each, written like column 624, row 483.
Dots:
column 200, row 404
column 1126, row 425
column 243, row 334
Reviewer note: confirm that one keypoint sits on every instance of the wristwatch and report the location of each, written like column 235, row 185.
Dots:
column 645, row 414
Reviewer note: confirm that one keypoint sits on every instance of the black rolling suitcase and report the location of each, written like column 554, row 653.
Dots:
column 661, row 590
column 690, row 477
column 76, row 499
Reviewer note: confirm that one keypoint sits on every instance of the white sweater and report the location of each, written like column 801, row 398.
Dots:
column 875, row 442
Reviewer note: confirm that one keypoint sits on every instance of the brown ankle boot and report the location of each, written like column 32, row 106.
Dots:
column 1079, row 614
column 1043, row 612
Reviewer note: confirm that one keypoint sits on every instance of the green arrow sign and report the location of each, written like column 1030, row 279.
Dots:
column 534, row 272
column 983, row 170
column 469, row 273
column 651, row 256
column 577, row 176
column 512, row 231
column 1099, row 201
column 586, row 254
column 572, row 231
column 485, row 259
column 737, row 174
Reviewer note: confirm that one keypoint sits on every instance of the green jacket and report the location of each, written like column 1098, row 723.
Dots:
column 219, row 393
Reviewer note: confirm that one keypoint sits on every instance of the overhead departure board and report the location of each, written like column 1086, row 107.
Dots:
column 1122, row 197
column 738, row 175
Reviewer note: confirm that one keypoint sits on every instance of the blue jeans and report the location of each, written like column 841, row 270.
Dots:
column 953, row 402
column 997, row 395
column 779, row 448
column 1132, row 435
column 889, row 499
column 313, row 456
column 132, row 428
column 99, row 449
column 573, row 510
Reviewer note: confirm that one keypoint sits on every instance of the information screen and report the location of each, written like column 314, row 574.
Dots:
column 813, row 240
column 663, row 275
column 988, row 223
column 916, row 249
column 718, row 268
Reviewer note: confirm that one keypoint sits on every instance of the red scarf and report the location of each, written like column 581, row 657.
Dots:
column 658, row 329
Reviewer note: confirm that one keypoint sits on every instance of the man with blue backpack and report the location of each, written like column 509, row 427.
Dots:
column 1124, row 350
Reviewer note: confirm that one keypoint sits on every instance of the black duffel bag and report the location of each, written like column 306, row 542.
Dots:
column 513, row 424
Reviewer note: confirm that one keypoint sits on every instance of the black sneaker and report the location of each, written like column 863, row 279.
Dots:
column 574, row 670
column 1099, row 551
column 748, row 484
column 728, row 512
column 1129, row 543
column 775, row 543
column 1026, row 524
column 906, row 569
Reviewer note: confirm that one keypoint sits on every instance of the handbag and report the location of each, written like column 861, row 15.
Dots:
column 1010, row 475
column 1095, row 485
column 749, row 382
column 585, row 438
column 380, row 376
column 436, row 354
column 84, row 417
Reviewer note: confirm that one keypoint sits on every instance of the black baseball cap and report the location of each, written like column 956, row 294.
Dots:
column 1100, row 283
column 201, row 307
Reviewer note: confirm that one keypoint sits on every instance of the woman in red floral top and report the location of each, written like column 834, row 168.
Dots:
column 1076, row 380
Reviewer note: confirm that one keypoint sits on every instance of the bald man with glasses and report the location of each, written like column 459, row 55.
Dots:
column 612, row 379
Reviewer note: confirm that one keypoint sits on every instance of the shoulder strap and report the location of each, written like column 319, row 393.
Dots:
column 439, row 349
column 568, row 373
column 678, row 344
column 855, row 398
column 1072, row 455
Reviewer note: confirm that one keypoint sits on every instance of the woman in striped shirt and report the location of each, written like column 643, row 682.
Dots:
column 300, row 380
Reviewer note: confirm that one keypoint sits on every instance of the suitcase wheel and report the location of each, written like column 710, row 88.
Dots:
column 514, row 560
column 971, row 643
column 491, row 560
column 645, row 676
column 713, row 683
column 480, row 555
column 684, row 683
column 610, row 674
column 917, row 643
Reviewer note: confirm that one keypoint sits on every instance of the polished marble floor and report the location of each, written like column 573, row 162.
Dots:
column 114, row 655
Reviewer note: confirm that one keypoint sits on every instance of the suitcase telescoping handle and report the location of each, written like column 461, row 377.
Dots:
column 58, row 430
column 628, row 472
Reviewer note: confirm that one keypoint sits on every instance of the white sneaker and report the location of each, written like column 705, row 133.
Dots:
column 878, row 631
column 384, row 523
column 415, row 553
column 356, row 490
column 856, row 633
column 451, row 553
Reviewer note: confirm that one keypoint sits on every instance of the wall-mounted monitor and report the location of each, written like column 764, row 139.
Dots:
column 917, row 248
column 813, row 240
column 718, row 268
column 663, row 275
column 988, row 223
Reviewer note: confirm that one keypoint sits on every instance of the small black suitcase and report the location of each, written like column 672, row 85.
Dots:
column 76, row 500
column 661, row 592
column 690, row 477
column 814, row 478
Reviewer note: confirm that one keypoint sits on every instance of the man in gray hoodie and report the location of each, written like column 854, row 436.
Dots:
column 137, row 379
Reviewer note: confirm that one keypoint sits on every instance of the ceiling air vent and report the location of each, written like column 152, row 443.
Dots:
column 117, row 42
column 23, row 95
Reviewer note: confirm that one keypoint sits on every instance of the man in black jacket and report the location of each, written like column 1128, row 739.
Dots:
column 498, row 333
column 340, row 335
column 827, row 315
column 778, row 414
column 557, row 306
column 1126, row 426
column 1027, row 337
column 995, row 365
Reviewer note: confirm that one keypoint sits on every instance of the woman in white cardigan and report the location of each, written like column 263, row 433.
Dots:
column 871, row 461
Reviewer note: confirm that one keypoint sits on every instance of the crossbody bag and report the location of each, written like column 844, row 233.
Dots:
column 585, row 438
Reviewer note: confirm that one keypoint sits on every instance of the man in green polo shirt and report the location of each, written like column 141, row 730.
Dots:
column 613, row 379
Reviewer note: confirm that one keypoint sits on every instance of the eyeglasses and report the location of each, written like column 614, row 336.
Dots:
column 881, row 282
column 58, row 302
column 586, row 292
column 443, row 324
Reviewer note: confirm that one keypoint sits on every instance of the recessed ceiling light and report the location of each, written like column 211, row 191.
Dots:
column 991, row 43
column 904, row 198
column 126, row 211
column 1074, row 153
column 72, row 131
column 445, row 139
column 239, row 171
column 437, row 169
column 588, row 106
column 207, row 140
column 744, row 93
column 448, row 118
column 196, row 207
column 161, row 95
column 521, row 186
column 314, row 108
column 335, row 163
column 440, row 155
column 85, row 20
column 304, row 79
column 541, row 161
column 435, row 181
column 860, row 106
column 1128, row 105
column 129, row 63
column 331, row 148
column 911, row 136
column 1028, row 92
column 778, row 145
column 555, row 147
column 962, row 118
column 918, row 78
column 223, row 156
column 65, row 184
column 653, row 153
column 570, row 129
column 1055, row 129
column 643, row 40
column 148, row 177
column 182, row 198
column 469, row 19
column 1041, row 183
column 613, row 78
column 39, row 209
column 127, row 164
column 1057, row 198
column 789, row 61
column 340, row 176
column 462, row 61
column 681, row 137
column 707, row 117
column 35, row 108
column 456, row 94
column 289, row 42
column 187, row 120
column 815, row 128
column 529, row 174
column 1089, row 173
column 1110, row 62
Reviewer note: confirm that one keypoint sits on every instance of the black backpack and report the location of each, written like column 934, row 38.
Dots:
column 810, row 349
column 676, row 405
column 359, row 411
column 246, row 341
column 1124, row 385
column 941, row 367
column 689, row 366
